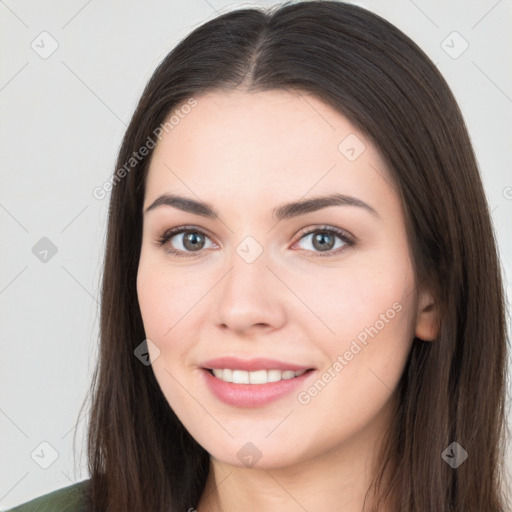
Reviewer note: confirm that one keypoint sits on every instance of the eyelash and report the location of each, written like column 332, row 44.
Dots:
column 347, row 239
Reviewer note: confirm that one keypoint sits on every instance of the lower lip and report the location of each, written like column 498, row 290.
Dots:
column 252, row 395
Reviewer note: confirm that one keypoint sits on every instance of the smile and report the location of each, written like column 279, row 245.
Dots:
column 258, row 393
column 254, row 377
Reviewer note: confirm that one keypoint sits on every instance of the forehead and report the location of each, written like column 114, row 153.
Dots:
column 261, row 142
column 271, row 123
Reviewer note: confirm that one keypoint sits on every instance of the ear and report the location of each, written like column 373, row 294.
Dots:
column 427, row 318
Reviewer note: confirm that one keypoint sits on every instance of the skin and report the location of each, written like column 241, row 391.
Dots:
column 246, row 153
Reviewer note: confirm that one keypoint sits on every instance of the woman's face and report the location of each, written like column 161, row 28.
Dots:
column 260, row 280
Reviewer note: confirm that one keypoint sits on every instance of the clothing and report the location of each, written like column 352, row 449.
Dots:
column 67, row 499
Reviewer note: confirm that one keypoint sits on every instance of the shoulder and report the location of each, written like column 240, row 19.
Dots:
column 67, row 499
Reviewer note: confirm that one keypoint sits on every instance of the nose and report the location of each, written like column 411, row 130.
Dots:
column 250, row 297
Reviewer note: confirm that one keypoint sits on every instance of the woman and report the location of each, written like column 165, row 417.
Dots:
column 338, row 341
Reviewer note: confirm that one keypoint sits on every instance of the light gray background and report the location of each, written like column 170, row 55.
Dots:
column 63, row 118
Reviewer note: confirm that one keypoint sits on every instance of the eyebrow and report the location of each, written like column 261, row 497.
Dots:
column 285, row 211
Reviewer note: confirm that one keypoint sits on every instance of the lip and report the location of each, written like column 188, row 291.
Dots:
column 250, row 365
column 252, row 395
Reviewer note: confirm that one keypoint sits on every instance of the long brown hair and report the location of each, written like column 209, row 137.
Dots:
column 453, row 390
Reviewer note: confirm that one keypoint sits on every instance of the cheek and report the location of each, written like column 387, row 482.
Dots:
column 366, row 313
column 174, row 310
column 152, row 298
column 352, row 299
column 164, row 297
column 164, row 300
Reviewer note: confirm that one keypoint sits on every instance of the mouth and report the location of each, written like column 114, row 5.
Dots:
column 256, row 377
column 244, row 389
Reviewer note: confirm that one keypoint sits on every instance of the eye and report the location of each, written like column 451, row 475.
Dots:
column 193, row 241
column 323, row 240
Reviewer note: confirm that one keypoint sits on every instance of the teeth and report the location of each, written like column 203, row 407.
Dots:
column 256, row 377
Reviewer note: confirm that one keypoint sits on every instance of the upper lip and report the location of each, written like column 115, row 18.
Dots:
column 258, row 363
